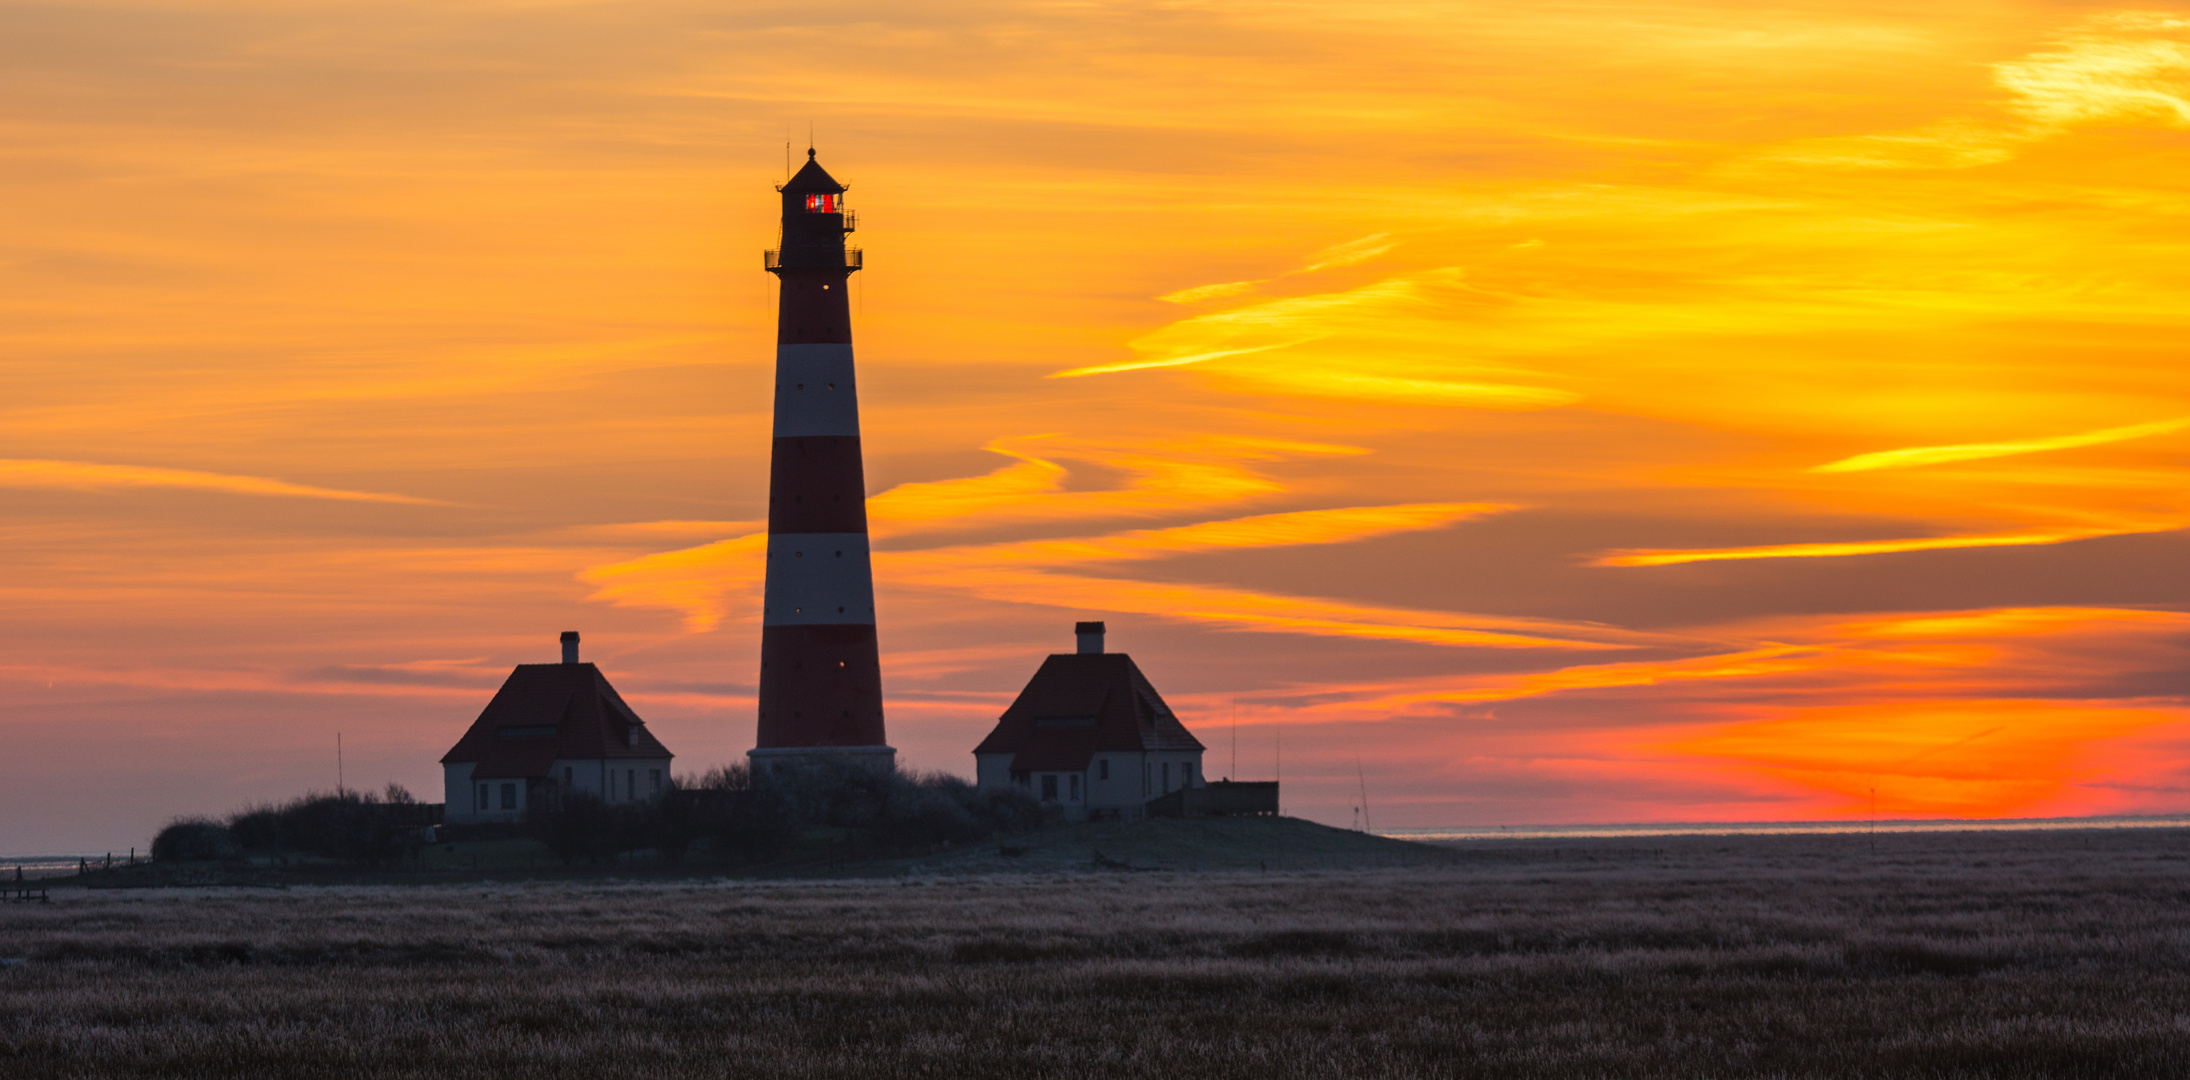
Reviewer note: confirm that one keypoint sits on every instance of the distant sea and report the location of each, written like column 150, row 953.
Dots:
column 1768, row 828
column 53, row 865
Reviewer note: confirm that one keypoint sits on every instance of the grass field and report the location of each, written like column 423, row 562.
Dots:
column 2007, row 954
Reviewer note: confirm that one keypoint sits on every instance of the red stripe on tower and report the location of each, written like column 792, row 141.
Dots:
column 820, row 671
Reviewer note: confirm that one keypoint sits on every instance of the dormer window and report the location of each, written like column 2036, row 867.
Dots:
column 824, row 204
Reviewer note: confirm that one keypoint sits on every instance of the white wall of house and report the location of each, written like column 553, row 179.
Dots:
column 622, row 780
column 1133, row 777
column 457, row 798
column 469, row 801
column 614, row 780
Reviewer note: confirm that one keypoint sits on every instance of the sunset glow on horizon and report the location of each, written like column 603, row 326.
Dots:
column 1570, row 413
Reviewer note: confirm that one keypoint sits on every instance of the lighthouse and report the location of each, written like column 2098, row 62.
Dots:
column 820, row 671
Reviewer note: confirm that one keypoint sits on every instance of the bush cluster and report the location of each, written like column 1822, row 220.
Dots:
column 749, row 817
column 360, row 828
column 739, row 815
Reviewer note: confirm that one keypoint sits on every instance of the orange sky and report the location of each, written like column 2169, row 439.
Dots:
column 1576, row 412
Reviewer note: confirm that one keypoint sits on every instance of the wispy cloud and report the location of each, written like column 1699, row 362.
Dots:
column 706, row 582
column 93, row 476
column 1350, row 253
column 1937, row 455
column 1837, row 549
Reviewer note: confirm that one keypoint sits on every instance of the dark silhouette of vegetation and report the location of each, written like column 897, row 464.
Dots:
column 194, row 839
column 733, row 814
column 583, row 828
column 359, row 828
column 746, row 817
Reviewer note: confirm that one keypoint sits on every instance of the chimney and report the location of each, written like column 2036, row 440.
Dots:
column 570, row 646
column 1091, row 637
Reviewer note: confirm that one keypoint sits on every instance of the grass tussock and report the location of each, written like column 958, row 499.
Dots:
column 2004, row 955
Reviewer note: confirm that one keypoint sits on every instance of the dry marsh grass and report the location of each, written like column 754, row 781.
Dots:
column 2006, row 955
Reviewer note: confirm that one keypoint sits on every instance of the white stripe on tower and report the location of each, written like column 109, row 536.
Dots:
column 815, row 391
column 818, row 579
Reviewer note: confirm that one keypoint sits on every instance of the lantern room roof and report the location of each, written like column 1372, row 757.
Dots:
column 812, row 179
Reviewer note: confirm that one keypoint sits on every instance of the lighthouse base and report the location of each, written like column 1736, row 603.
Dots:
column 882, row 759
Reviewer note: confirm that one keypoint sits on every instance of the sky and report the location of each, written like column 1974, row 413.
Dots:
column 1546, row 413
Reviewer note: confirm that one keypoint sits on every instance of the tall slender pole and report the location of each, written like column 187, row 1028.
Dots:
column 338, row 763
column 1235, row 739
column 1364, row 781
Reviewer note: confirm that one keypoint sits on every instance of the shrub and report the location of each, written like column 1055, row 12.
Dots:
column 362, row 828
column 194, row 840
column 581, row 826
column 755, row 817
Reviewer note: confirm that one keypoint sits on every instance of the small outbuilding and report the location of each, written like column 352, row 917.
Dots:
column 1090, row 736
column 552, row 730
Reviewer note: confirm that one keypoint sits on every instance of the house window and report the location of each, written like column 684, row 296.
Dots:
column 1075, row 787
column 631, row 785
column 509, row 796
column 1049, row 787
column 1167, row 777
column 655, row 775
column 566, row 776
column 609, row 778
column 1145, row 774
column 1186, row 775
column 1102, row 769
column 482, row 796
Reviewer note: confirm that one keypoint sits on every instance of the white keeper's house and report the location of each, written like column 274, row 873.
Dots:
column 1090, row 736
column 552, row 729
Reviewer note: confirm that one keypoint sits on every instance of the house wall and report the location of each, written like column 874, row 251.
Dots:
column 612, row 780
column 1135, row 777
column 457, row 796
column 461, row 797
column 460, row 793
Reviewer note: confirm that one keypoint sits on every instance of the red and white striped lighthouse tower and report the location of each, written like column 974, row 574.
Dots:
column 820, row 673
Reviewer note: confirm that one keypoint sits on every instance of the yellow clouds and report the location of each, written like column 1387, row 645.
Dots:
column 2133, row 65
column 1351, row 252
column 92, row 476
column 1161, row 477
column 1674, row 557
column 2126, row 67
column 1936, row 455
column 702, row 582
column 705, row 582
column 1400, row 340
column 1346, row 254
column 1188, row 296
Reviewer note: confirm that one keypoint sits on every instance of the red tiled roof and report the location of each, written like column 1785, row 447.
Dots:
column 550, row 712
column 1078, row 704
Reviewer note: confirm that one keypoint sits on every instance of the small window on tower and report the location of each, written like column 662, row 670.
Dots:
column 824, row 204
